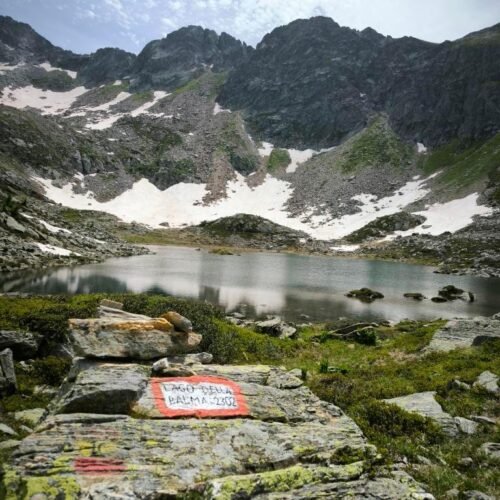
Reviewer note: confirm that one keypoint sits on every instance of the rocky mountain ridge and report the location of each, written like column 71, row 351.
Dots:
column 162, row 139
column 343, row 76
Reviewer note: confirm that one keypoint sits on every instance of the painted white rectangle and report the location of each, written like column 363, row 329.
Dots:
column 198, row 396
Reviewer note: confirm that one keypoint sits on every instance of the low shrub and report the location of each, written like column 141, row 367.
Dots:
column 51, row 370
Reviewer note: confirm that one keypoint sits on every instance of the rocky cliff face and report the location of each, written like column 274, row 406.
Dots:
column 432, row 93
column 184, row 55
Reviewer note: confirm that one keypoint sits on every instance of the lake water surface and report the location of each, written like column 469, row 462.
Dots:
column 269, row 283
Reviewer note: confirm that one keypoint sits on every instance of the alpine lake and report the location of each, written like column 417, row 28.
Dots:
column 296, row 287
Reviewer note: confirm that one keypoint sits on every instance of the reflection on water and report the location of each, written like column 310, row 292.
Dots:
column 263, row 283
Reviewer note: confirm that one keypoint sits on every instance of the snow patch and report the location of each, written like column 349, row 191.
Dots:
column 421, row 148
column 345, row 248
column 182, row 205
column 297, row 156
column 450, row 216
column 108, row 121
column 6, row 67
column 265, row 149
column 55, row 250
column 48, row 67
column 47, row 101
column 218, row 109
column 157, row 96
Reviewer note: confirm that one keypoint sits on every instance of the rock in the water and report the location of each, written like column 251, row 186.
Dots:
column 439, row 299
column 489, row 381
column 414, row 295
column 129, row 337
column 451, row 292
column 24, row 345
column 461, row 333
column 426, row 405
column 8, row 382
column 180, row 323
column 365, row 295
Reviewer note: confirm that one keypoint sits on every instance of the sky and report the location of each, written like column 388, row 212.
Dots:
column 86, row 25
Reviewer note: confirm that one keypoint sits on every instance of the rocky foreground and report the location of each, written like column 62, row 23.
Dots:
column 148, row 404
column 122, row 426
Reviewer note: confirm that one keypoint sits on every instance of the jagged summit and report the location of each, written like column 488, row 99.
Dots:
column 185, row 54
column 19, row 42
column 343, row 76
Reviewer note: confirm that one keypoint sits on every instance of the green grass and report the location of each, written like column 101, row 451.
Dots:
column 278, row 159
column 376, row 145
column 463, row 165
column 190, row 86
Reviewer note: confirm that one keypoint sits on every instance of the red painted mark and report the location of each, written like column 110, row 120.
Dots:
column 198, row 396
column 98, row 466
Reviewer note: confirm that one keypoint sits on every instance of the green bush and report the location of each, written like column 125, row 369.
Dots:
column 51, row 370
column 378, row 417
column 47, row 316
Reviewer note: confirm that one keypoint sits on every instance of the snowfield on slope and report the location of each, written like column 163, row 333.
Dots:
column 181, row 205
column 297, row 156
column 47, row 101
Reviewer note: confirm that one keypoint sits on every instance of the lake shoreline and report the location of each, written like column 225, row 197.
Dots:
column 261, row 283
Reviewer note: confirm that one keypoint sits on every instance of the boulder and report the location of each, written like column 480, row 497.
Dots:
column 129, row 336
column 30, row 417
column 112, row 304
column 451, row 292
column 414, row 295
column 462, row 333
column 276, row 327
column 24, row 345
column 491, row 450
column 6, row 430
column 180, row 323
column 8, row 382
column 475, row 495
column 439, row 299
column 97, row 387
column 488, row 381
column 483, row 419
column 426, row 405
column 466, row 426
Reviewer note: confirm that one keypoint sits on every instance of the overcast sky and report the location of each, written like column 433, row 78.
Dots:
column 86, row 25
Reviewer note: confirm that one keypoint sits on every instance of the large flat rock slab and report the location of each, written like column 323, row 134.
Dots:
column 281, row 442
column 463, row 333
column 124, row 335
